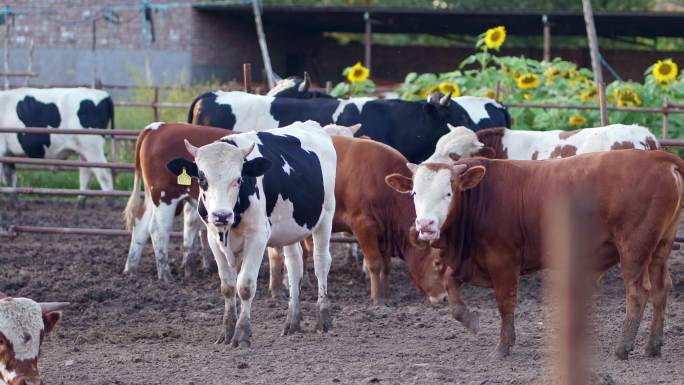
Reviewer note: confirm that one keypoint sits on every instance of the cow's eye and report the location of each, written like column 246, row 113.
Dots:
column 448, row 195
column 239, row 181
column 202, row 180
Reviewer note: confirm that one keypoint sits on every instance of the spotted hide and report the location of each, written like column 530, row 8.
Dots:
column 412, row 127
column 78, row 108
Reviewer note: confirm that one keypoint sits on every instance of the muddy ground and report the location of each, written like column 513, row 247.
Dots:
column 139, row 331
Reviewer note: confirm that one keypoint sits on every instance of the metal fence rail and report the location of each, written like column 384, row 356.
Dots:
column 66, row 163
column 63, row 191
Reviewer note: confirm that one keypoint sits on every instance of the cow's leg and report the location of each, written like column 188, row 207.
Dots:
column 228, row 278
column 293, row 260
column 661, row 283
column 307, row 251
column 253, row 254
column 378, row 264
column 84, row 176
column 208, row 263
column 93, row 151
column 459, row 310
column 140, row 234
column 322, row 262
column 275, row 265
column 192, row 224
column 160, row 232
column 505, row 282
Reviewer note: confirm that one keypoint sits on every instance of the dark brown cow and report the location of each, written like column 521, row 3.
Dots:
column 488, row 217
column 23, row 326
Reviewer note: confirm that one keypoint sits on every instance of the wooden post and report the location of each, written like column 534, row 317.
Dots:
column 595, row 62
column 328, row 86
column 262, row 44
column 29, row 65
column 155, row 102
column 666, row 118
column 368, row 41
column 247, row 77
column 7, row 43
column 547, row 38
column 497, row 92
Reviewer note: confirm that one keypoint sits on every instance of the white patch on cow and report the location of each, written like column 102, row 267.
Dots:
column 358, row 102
column 6, row 375
column 475, row 106
column 431, row 198
column 154, row 126
column 286, row 167
column 335, row 129
column 162, row 194
column 460, row 141
column 21, row 317
column 281, row 85
column 541, row 144
column 252, row 112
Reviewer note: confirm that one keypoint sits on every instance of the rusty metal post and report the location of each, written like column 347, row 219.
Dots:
column 603, row 104
column 547, row 38
column 247, row 77
column 328, row 86
column 666, row 118
column 497, row 91
column 155, row 104
column 368, row 41
column 595, row 55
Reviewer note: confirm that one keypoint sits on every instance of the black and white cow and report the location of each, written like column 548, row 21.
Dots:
column 56, row 108
column 412, row 127
column 258, row 189
column 296, row 87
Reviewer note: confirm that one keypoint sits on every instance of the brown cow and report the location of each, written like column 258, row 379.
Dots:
column 23, row 326
column 491, row 226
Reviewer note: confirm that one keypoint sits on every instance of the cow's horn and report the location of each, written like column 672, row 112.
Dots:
column 47, row 307
column 248, row 150
column 306, row 83
column 444, row 101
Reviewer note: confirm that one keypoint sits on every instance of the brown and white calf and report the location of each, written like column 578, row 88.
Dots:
column 503, row 143
column 24, row 324
column 488, row 217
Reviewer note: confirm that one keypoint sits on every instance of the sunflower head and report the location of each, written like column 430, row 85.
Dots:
column 626, row 96
column 527, row 81
column 358, row 73
column 495, row 37
column 577, row 120
column 447, row 87
column 550, row 73
column 589, row 94
column 665, row 71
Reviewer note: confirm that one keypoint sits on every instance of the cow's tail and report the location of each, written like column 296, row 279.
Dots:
column 110, row 112
column 191, row 111
column 507, row 117
column 134, row 206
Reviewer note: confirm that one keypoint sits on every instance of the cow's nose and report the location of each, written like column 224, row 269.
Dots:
column 221, row 217
column 424, row 224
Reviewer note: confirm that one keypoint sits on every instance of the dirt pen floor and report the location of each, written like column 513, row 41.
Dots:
column 120, row 330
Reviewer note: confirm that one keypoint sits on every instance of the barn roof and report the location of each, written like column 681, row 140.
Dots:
column 466, row 22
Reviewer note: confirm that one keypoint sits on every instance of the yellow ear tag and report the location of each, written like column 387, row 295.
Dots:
column 184, row 179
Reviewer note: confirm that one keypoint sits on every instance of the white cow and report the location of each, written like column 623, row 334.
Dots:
column 56, row 108
column 258, row 189
column 503, row 143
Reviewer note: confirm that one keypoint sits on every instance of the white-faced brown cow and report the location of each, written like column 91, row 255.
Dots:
column 24, row 324
column 503, row 143
column 487, row 216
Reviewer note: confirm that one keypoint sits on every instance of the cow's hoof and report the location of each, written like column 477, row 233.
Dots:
column 324, row 320
column 278, row 293
column 622, row 353
column 502, row 351
column 292, row 323
column 81, row 202
column 653, row 347
column 243, row 334
column 472, row 322
column 189, row 265
column 166, row 276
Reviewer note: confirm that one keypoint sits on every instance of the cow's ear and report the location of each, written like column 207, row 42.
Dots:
column 177, row 165
column 471, row 177
column 256, row 167
column 399, row 183
column 50, row 320
column 486, row 152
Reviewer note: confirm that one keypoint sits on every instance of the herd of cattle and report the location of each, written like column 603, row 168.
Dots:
column 443, row 184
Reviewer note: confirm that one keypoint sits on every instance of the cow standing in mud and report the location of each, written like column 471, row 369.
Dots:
column 488, row 218
column 78, row 108
column 23, row 326
column 258, row 189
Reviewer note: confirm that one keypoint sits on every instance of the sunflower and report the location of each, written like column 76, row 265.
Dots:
column 626, row 96
column 665, row 70
column 527, row 80
column 447, row 87
column 428, row 91
column 495, row 37
column 550, row 73
column 588, row 94
column 358, row 73
column 577, row 120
